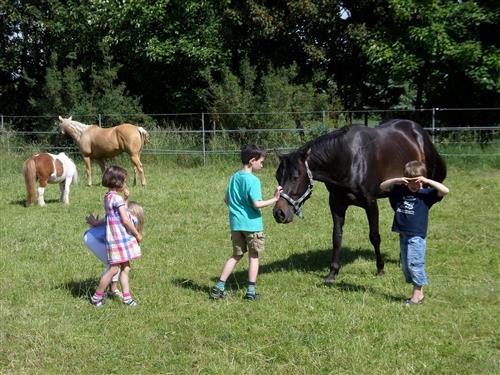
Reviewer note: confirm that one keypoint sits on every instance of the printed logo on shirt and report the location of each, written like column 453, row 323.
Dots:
column 407, row 207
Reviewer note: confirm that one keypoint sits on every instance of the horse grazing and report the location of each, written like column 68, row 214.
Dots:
column 48, row 169
column 352, row 162
column 99, row 144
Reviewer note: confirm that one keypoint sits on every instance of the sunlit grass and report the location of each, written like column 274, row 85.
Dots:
column 299, row 326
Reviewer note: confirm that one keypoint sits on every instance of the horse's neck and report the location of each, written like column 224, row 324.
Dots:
column 76, row 129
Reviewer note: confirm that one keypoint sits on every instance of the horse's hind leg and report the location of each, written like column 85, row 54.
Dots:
column 64, row 187
column 372, row 214
column 138, row 168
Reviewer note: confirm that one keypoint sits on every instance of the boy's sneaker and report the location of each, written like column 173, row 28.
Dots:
column 96, row 301
column 251, row 296
column 217, row 293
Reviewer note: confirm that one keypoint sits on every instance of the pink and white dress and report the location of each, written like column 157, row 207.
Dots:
column 121, row 246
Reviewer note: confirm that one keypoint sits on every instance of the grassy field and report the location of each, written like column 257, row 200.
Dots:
column 300, row 326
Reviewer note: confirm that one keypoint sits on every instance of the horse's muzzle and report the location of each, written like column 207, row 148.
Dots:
column 282, row 216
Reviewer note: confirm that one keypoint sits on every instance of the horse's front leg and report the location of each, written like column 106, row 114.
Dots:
column 41, row 192
column 372, row 214
column 88, row 169
column 338, row 209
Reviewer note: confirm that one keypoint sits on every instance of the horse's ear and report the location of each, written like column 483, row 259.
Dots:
column 60, row 118
column 70, row 118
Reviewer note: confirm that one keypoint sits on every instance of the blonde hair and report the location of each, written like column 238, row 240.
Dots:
column 136, row 210
column 415, row 168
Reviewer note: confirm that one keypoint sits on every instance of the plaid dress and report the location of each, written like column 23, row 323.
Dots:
column 120, row 245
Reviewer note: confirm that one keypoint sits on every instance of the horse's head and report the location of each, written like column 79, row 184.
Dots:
column 295, row 178
column 62, row 122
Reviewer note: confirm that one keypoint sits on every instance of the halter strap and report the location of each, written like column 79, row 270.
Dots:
column 297, row 204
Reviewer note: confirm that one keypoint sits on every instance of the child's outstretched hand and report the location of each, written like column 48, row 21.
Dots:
column 139, row 238
column 92, row 220
column 277, row 192
column 126, row 192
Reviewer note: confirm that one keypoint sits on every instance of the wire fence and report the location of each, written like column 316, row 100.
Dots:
column 457, row 132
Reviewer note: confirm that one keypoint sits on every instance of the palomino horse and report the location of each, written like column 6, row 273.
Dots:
column 49, row 169
column 352, row 162
column 99, row 144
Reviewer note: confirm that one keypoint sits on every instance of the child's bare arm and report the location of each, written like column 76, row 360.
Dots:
column 268, row 202
column 441, row 189
column 127, row 223
column 387, row 184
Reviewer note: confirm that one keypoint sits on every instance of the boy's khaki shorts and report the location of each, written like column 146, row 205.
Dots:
column 247, row 241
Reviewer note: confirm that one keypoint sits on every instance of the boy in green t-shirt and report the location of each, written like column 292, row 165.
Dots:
column 244, row 199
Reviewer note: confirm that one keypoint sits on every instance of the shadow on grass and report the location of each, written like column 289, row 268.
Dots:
column 189, row 284
column 311, row 261
column 22, row 202
column 80, row 289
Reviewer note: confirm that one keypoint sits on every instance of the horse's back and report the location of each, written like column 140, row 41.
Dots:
column 401, row 141
column 109, row 142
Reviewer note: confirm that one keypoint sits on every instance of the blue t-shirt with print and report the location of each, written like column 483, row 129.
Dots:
column 244, row 189
column 411, row 210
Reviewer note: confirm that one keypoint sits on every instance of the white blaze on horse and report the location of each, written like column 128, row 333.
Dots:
column 100, row 144
column 48, row 169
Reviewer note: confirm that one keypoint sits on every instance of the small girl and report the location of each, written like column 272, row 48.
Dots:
column 95, row 239
column 122, row 237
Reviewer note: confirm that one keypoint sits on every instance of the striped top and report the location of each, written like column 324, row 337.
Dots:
column 120, row 245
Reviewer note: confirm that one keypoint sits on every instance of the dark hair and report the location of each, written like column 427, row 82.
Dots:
column 250, row 152
column 114, row 177
column 415, row 168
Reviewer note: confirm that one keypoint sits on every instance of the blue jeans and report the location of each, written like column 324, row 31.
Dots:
column 412, row 257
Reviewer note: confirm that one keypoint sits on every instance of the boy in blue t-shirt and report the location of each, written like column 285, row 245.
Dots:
column 411, row 203
column 244, row 199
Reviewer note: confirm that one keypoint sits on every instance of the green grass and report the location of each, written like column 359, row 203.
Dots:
column 300, row 326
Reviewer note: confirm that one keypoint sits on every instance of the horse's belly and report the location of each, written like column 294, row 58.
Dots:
column 56, row 179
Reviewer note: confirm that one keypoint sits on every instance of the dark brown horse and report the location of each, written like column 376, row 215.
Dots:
column 352, row 162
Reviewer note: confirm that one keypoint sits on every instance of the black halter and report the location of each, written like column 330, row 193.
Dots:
column 297, row 204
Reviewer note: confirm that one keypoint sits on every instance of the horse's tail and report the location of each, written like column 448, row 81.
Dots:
column 29, row 172
column 436, row 167
column 144, row 135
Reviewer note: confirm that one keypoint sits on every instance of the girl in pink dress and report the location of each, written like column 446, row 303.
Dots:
column 122, row 237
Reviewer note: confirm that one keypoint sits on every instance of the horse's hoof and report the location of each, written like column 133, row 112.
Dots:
column 380, row 273
column 329, row 281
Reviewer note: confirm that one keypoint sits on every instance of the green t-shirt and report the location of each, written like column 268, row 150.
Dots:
column 244, row 189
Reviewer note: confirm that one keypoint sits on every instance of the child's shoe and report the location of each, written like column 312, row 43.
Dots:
column 130, row 302
column 409, row 302
column 217, row 293
column 251, row 296
column 97, row 301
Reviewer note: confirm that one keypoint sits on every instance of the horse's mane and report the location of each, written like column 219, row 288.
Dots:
column 77, row 128
column 322, row 146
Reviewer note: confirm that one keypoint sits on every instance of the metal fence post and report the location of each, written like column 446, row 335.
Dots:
column 99, row 119
column 433, row 125
column 203, row 137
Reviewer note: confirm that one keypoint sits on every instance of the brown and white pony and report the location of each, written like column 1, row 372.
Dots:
column 100, row 144
column 49, row 169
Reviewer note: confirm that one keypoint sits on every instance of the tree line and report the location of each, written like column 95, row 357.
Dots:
column 171, row 56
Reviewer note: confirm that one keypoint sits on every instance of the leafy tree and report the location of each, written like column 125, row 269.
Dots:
column 436, row 47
